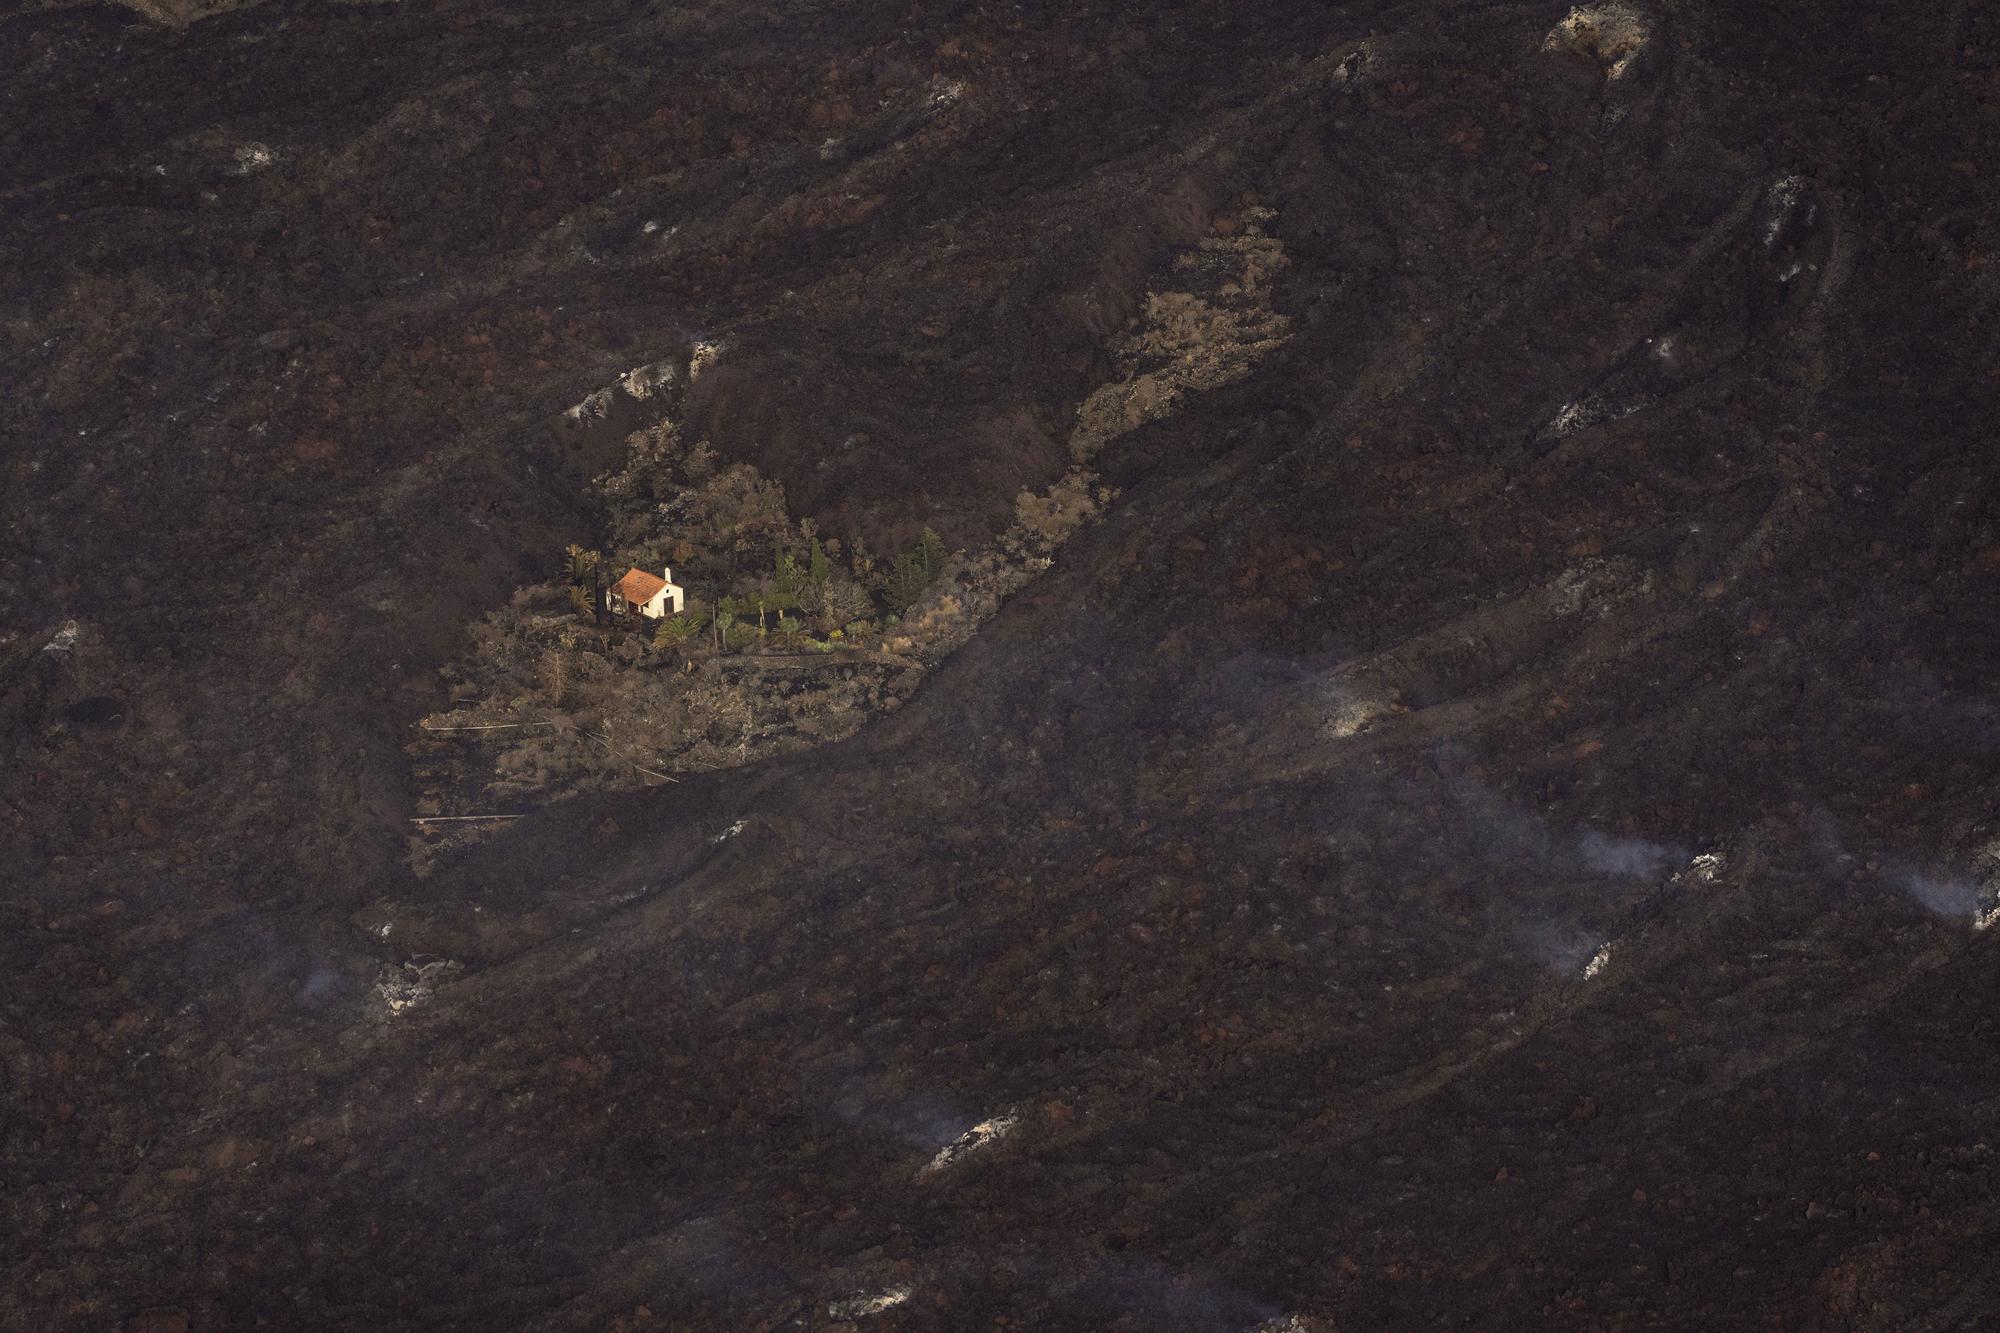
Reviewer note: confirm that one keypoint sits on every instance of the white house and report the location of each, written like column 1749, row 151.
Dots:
column 649, row 595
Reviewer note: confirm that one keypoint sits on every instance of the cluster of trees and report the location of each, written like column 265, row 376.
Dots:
column 802, row 589
column 757, row 581
column 914, row 572
column 727, row 533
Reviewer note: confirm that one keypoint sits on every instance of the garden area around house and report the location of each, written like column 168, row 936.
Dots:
column 787, row 637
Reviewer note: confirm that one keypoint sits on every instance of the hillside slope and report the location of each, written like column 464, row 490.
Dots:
column 1492, row 827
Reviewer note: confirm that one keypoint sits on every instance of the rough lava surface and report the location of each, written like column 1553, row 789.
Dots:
column 1494, row 827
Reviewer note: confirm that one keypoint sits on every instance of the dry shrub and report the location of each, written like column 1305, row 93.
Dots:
column 1048, row 520
column 834, row 603
column 553, row 675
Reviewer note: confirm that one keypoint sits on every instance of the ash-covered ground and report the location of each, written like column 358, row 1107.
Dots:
column 1493, row 825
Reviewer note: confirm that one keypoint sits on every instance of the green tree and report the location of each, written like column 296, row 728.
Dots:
column 581, row 566
column 818, row 568
column 906, row 583
column 677, row 630
column 775, row 596
column 931, row 554
column 785, row 568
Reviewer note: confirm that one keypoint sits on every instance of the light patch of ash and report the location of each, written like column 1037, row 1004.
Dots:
column 1352, row 714
column 251, row 158
column 642, row 382
column 1703, row 869
column 1613, row 35
column 945, row 92
column 593, row 408
column 862, row 1306
column 414, row 983
column 701, row 358
column 1598, row 962
column 64, row 639
column 1573, row 417
column 730, row 832
column 1779, row 207
column 1590, row 410
column 982, row 1135
column 1346, row 70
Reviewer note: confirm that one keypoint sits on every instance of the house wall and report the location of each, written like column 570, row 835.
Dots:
column 668, row 601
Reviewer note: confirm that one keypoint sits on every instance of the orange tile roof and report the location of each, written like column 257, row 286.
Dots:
column 638, row 587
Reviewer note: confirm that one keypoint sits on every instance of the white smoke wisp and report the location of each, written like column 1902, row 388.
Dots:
column 322, row 987
column 1569, row 950
column 1510, row 828
column 1948, row 897
column 1630, row 858
column 1944, row 894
